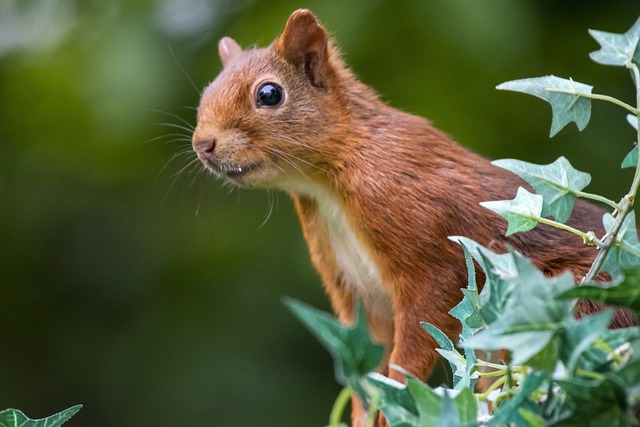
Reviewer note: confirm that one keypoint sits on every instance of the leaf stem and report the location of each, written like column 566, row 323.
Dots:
column 373, row 410
column 599, row 97
column 486, row 364
column 589, row 238
column 597, row 198
column 496, row 385
column 589, row 374
column 602, row 345
column 335, row 418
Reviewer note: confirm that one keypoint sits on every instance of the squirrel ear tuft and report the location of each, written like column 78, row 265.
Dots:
column 304, row 42
column 228, row 49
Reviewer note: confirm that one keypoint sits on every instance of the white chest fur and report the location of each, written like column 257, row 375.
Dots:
column 360, row 272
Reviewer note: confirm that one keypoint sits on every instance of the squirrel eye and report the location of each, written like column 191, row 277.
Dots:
column 269, row 95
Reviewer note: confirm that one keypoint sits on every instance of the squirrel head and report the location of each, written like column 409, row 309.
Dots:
column 268, row 118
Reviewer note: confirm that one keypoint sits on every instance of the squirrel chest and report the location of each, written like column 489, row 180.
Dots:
column 356, row 273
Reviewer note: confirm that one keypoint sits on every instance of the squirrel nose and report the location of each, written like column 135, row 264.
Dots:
column 204, row 148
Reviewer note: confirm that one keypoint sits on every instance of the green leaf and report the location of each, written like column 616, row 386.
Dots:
column 566, row 107
column 617, row 49
column 522, row 213
column 396, row 402
column 625, row 252
column 454, row 358
column 580, row 335
column 353, row 351
column 463, row 368
column 428, row 403
column 468, row 310
column 631, row 159
column 626, row 294
column 449, row 416
column 498, row 287
column 534, row 317
column 597, row 403
column 596, row 358
column 497, row 295
column 633, row 121
column 15, row 418
column 467, row 406
column 546, row 359
column 502, row 264
column 630, row 374
column 557, row 182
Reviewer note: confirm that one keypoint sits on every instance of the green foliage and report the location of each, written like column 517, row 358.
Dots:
column 558, row 370
column 15, row 418
column 563, row 95
column 625, row 294
column 354, row 352
column 558, row 183
column 617, row 49
column 522, row 213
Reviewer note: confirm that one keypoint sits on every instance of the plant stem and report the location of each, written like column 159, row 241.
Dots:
column 496, row 384
column 499, row 373
column 588, row 238
column 589, row 374
column 602, row 345
column 597, row 198
column 491, row 365
column 335, row 418
column 626, row 204
column 373, row 410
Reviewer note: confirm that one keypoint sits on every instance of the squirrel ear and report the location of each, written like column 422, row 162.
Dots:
column 304, row 42
column 228, row 48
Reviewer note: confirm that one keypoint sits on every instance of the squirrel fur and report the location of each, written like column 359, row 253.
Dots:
column 377, row 190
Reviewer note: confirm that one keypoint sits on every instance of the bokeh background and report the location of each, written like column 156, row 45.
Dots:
column 135, row 284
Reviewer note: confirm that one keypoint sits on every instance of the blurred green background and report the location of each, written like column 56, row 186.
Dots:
column 135, row 284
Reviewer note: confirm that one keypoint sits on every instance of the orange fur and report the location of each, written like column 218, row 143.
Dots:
column 377, row 190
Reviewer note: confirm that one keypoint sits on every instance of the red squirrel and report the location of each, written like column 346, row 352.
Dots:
column 377, row 190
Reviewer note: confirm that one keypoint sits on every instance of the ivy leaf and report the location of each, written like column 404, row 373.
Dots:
column 15, row 418
column 429, row 404
column 502, row 264
column 468, row 310
column 522, row 213
column 630, row 374
column 596, row 358
column 625, row 252
column 631, row 159
column 396, row 403
column 353, row 351
column 463, row 368
column 467, row 406
column 449, row 416
column 617, row 49
column 547, row 358
column 566, row 107
column 498, row 295
column 601, row 403
column 580, row 335
column 534, row 319
column 626, row 294
column 558, row 183
column 498, row 287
